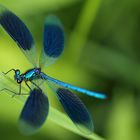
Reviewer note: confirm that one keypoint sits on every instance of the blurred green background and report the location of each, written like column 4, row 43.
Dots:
column 102, row 53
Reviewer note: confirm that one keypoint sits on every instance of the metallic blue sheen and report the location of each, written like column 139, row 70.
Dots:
column 78, row 89
column 53, row 37
column 75, row 109
column 32, row 74
column 34, row 112
column 16, row 29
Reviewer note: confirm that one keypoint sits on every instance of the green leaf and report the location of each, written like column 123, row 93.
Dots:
column 113, row 64
column 78, row 37
column 54, row 115
column 123, row 118
column 32, row 6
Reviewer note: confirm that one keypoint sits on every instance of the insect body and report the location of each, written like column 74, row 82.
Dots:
column 29, row 75
column 35, row 110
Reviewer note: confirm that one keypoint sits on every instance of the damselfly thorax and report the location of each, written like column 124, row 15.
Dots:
column 28, row 76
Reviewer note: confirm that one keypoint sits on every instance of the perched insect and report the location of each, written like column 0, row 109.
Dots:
column 36, row 108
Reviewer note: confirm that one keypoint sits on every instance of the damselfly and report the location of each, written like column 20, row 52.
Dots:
column 36, row 108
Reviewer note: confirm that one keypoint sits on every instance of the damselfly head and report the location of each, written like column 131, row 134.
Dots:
column 17, row 76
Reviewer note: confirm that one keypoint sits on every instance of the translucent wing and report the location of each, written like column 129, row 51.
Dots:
column 53, row 41
column 69, row 86
column 19, row 32
column 34, row 112
column 74, row 108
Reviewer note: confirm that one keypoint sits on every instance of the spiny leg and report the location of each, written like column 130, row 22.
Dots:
column 19, row 93
column 13, row 92
column 8, row 90
column 9, row 71
column 35, row 85
column 28, row 85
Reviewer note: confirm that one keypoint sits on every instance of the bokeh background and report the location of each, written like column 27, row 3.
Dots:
column 102, row 53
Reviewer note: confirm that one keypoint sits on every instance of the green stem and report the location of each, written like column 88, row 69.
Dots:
column 84, row 24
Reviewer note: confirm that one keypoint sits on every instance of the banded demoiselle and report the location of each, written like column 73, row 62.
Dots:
column 36, row 108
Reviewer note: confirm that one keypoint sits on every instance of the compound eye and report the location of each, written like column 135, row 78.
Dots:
column 17, row 71
column 19, row 81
